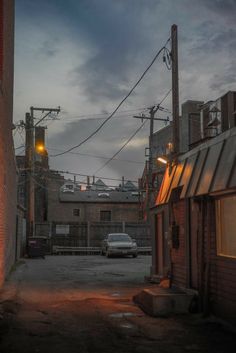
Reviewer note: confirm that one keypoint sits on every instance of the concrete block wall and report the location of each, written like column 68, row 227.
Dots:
column 63, row 211
column 7, row 159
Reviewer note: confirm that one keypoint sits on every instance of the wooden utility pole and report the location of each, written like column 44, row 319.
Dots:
column 175, row 89
column 152, row 112
column 29, row 161
column 30, row 167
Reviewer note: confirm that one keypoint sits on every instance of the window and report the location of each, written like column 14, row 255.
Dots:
column 76, row 212
column 105, row 216
column 226, row 225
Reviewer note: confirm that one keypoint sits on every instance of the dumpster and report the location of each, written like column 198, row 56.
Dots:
column 37, row 246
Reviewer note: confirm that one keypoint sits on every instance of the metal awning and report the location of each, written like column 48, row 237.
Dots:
column 209, row 168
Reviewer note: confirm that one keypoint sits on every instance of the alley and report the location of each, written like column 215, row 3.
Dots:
column 84, row 304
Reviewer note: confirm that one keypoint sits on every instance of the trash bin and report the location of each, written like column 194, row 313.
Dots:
column 37, row 246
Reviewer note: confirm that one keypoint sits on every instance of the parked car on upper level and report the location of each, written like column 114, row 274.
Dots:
column 119, row 244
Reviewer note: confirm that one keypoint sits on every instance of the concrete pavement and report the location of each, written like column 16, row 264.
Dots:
column 84, row 304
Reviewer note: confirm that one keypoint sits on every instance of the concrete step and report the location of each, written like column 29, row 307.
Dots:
column 159, row 301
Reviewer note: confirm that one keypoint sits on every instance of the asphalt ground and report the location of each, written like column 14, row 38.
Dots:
column 84, row 304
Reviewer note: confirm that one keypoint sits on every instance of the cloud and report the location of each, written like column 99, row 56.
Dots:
column 118, row 38
column 223, row 9
column 86, row 55
column 49, row 48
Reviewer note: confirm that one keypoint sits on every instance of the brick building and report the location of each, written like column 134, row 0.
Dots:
column 194, row 219
column 190, row 124
column 199, row 122
column 7, row 160
column 68, row 203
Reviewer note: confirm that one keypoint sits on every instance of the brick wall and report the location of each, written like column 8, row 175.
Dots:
column 63, row 211
column 1, row 39
column 7, row 161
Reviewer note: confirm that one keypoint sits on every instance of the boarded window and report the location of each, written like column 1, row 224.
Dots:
column 105, row 216
column 62, row 229
column 226, row 225
column 76, row 212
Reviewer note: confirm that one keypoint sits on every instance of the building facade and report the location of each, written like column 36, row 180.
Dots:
column 194, row 223
column 190, row 124
column 68, row 203
column 7, row 159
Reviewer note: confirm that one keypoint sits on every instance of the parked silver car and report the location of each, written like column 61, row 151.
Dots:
column 119, row 244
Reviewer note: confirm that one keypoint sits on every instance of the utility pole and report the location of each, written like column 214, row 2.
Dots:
column 29, row 152
column 175, row 89
column 30, row 167
column 152, row 112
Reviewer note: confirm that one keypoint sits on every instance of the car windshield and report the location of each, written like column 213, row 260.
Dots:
column 119, row 237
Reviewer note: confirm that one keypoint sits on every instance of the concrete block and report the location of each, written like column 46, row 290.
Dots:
column 163, row 302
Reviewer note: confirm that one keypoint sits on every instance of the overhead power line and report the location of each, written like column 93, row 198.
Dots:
column 79, row 182
column 116, row 109
column 99, row 157
column 124, row 145
column 80, row 174
column 102, row 115
column 17, row 148
column 91, row 176
column 131, row 137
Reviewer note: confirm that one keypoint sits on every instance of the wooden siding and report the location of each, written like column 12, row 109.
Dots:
column 220, row 283
column 178, row 256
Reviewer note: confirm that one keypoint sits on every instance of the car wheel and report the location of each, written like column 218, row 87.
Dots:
column 107, row 254
column 135, row 255
column 102, row 253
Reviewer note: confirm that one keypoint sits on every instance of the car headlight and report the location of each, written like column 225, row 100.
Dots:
column 134, row 245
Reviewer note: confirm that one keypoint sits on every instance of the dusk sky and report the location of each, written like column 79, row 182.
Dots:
column 85, row 55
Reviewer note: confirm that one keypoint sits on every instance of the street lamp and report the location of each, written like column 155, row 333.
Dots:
column 40, row 148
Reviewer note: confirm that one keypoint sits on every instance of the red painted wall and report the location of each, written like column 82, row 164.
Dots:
column 7, row 160
column 1, row 39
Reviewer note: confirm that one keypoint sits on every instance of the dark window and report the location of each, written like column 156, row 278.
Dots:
column 76, row 212
column 105, row 216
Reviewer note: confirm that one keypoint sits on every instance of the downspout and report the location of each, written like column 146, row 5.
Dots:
column 206, row 308
column 201, row 253
column 188, row 243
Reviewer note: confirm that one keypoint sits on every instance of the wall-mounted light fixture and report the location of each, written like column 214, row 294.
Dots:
column 162, row 159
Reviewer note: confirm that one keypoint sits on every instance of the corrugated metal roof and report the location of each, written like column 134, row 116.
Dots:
column 185, row 179
column 195, row 176
column 225, row 164
column 165, row 186
column 208, row 168
column 176, row 177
